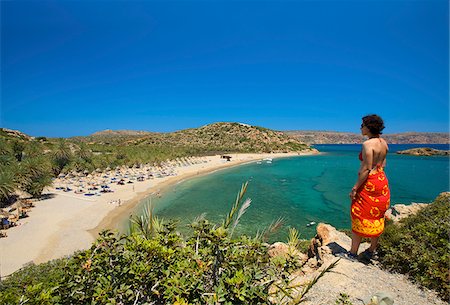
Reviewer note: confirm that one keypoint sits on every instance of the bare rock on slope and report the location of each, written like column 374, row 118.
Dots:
column 400, row 211
column 361, row 281
column 284, row 250
column 357, row 280
column 329, row 241
column 15, row 134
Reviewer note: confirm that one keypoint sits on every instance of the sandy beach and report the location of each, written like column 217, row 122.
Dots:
column 67, row 222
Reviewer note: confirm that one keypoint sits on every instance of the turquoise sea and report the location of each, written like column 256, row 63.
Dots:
column 300, row 189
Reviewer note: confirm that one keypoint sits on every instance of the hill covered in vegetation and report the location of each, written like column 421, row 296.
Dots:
column 216, row 137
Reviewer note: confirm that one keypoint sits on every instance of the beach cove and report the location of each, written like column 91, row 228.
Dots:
column 302, row 191
column 66, row 222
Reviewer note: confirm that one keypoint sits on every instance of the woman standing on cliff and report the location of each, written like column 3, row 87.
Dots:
column 370, row 195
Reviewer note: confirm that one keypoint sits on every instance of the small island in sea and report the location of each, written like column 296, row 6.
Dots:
column 424, row 151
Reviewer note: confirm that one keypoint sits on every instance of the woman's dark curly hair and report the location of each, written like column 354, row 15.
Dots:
column 374, row 123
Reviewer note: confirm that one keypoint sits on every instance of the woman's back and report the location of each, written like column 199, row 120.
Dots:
column 379, row 149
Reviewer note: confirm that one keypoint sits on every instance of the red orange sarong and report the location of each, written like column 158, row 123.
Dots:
column 371, row 202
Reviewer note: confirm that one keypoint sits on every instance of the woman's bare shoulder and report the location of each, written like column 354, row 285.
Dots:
column 374, row 143
column 370, row 142
column 367, row 146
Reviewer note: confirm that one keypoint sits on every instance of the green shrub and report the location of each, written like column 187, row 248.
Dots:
column 419, row 246
column 343, row 299
column 154, row 264
column 35, row 282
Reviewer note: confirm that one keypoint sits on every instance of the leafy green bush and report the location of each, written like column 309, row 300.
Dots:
column 419, row 246
column 34, row 282
column 154, row 264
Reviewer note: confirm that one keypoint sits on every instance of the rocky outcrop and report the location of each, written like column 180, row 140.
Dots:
column 357, row 280
column 328, row 241
column 15, row 134
column 399, row 211
column 424, row 151
column 285, row 250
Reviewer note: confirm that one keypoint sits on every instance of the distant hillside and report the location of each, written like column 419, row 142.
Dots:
column 325, row 137
column 333, row 137
column 119, row 133
column 109, row 136
column 418, row 138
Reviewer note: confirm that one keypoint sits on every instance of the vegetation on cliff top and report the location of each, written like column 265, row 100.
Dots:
column 420, row 247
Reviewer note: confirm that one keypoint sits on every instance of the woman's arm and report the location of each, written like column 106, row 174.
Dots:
column 364, row 169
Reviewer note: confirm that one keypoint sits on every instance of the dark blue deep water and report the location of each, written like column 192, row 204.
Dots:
column 302, row 189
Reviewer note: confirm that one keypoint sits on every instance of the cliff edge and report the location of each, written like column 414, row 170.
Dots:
column 355, row 282
column 358, row 281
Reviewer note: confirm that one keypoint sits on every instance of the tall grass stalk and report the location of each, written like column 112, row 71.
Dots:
column 242, row 211
column 147, row 224
column 265, row 234
column 235, row 207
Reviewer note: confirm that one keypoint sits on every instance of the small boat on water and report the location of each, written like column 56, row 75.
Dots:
column 311, row 223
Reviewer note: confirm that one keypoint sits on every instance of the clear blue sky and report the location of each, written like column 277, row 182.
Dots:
column 75, row 67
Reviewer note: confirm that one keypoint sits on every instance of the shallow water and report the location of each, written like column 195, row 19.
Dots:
column 300, row 189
